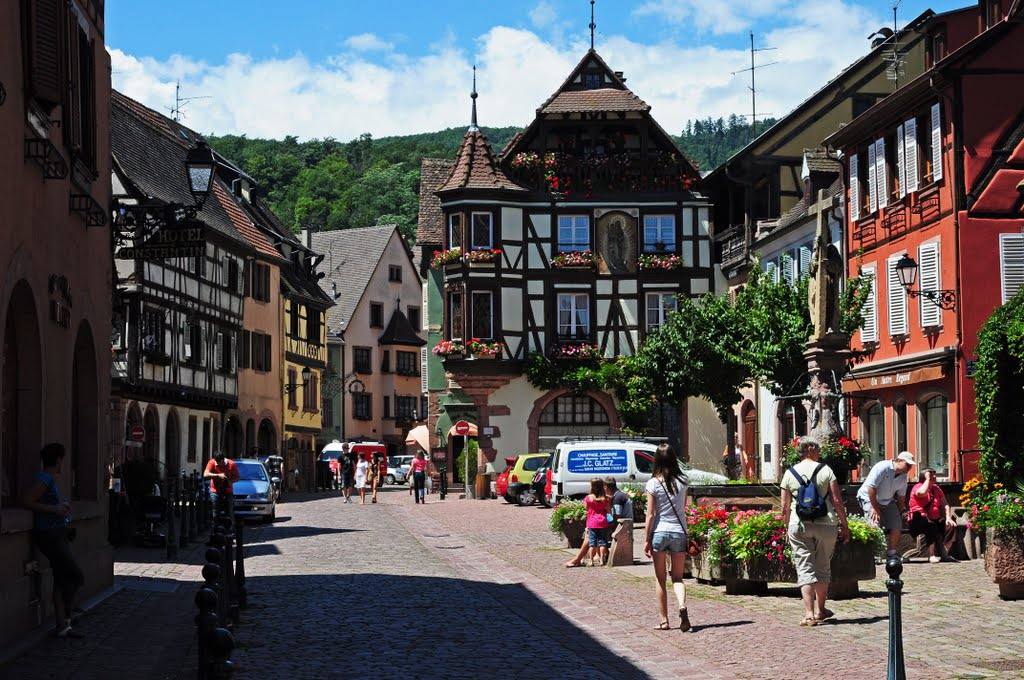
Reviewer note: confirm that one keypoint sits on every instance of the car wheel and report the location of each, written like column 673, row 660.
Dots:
column 525, row 497
column 391, row 479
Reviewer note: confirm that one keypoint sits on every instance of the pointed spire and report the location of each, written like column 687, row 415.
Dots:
column 592, row 24
column 473, row 124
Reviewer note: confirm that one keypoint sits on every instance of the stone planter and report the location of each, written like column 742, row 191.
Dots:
column 851, row 563
column 1004, row 561
column 573, row 530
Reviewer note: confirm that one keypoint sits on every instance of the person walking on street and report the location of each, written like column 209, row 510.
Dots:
column 418, row 467
column 598, row 507
column 666, row 531
column 348, row 471
column 373, row 476
column 883, row 496
column 52, row 535
column 222, row 473
column 810, row 489
column 362, row 466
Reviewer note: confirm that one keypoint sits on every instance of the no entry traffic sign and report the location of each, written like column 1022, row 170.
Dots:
column 138, row 434
column 462, row 428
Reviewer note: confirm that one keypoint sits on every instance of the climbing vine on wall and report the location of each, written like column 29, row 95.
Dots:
column 999, row 393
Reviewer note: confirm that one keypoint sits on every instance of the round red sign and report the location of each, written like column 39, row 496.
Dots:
column 138, row 434
column 462, row 428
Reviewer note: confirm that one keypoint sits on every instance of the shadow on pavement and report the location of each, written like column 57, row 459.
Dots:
column 272, row 532
column 441, row 627
column 864, row 620
column 724, row 624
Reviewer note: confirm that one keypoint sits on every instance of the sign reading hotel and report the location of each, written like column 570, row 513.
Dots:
column 597, row 461
column 169, row 242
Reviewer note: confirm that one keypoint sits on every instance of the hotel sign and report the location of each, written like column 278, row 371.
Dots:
column 169, row 242
column 895, row 379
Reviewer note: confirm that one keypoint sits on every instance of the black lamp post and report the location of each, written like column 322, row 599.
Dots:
column 906, row 272
column 306, row 375
column 199, row 166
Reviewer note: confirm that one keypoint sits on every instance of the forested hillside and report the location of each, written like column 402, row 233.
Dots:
column 326, row 184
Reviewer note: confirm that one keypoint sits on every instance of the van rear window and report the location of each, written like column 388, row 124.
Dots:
column 597, row 461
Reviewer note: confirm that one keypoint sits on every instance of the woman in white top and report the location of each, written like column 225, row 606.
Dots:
column 666, row 530
column 361, row 469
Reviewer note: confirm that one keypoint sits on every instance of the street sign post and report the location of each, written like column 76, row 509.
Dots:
column 462, row 428
column 138, row 434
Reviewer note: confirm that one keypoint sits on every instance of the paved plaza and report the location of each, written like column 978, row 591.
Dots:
column 473, row 589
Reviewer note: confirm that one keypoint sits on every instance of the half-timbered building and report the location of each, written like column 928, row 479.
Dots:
column 577, row 237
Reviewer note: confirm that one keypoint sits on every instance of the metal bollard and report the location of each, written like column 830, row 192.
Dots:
column 240, row 563
column 215, row 556
column 220, row 643
column 186, row 530
column 224, row 525
column 193, row 497
column 896, row 668
column 172, row 535
column 206, row 622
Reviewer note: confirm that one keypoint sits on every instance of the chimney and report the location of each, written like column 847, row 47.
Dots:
column 618, row 74
column 306, row 237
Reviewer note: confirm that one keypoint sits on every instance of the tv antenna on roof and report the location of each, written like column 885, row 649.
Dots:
column 895, row 62
column 753, row 83
column 180, row 102
column 592, row 24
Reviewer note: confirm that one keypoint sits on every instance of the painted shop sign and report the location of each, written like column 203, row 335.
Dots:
column 60, row 300
column 167, row 243
column 597, row 461
column 896, row 379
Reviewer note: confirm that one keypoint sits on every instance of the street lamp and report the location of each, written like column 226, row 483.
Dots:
column 199, row 165
column 906, row 272
column 306, row 375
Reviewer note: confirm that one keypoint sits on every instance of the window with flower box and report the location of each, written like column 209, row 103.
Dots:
column 482, row 231
column 659, row 234
column 573, row 315
column 573, row 233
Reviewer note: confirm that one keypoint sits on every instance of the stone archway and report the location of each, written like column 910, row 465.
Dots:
column 151, row 446
column 172, row 443
column 266, row 438
column 603, row 400
column 21, row 400
column 84, row 450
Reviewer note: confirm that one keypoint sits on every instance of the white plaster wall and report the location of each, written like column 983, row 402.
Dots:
column 768, row 423
column 706, row 435
column 519, row 396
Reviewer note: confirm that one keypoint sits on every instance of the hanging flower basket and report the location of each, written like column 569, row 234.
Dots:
column 664, row 263
column 443, row 257
column 582, row 259
column 483, row 255
column 447, row 349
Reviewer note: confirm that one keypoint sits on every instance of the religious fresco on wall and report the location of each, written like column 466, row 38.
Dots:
column 616, row 243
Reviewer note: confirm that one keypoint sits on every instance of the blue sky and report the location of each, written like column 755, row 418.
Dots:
column 341, row 67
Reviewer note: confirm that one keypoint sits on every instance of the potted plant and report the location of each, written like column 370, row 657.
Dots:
column 637, row 494
column 569, row 519
column 574, row 259
column 841, row 453
column 482, row 255
column 441, row 258
column 659, row 262
column 447, row 349
column 580, row 351
column 481, row 349
column 999, row 513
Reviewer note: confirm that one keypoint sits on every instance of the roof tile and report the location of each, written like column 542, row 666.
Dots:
column 603, row 99
column 350, row 258
column 476, row 167
column 434, row 172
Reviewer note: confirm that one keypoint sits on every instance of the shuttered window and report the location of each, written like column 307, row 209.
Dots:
column 936, row 130
column 881, row 174
column 423, row 370
column 896, row 298
column 910, row 154
column 1011, row 264
column 772, row 270
column 788, row 269
column 44, row 50
column 805, row 261
column 901, row 162
column 872, row 193
column 854, row 189
column 244, row 359
column 930, row 275
column 869, row 329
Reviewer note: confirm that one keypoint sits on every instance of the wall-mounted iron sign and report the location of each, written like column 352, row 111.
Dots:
column 169, row 242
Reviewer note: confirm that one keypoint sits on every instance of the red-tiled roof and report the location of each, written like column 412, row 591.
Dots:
column 603, row 99
column 241, row 222
column 434, row 172
column 476, row 168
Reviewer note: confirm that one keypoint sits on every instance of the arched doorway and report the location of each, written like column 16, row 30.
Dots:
column 172, row 444
column 233, row 441
column 748, row 434
column 266, row 440
column 250, row 437
column 792, row 422
column 561, row 412
column 84, row 452
column 151, row 447
column 21, row 400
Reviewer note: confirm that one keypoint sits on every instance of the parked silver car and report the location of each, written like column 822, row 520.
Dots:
column 398, row 469
column 254, row 494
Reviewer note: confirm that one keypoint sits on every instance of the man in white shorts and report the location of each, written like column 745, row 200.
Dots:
column 883, row 496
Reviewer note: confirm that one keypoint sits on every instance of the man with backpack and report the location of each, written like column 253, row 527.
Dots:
column 810, row 489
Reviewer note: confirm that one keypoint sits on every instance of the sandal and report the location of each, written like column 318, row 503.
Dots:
column 809, row 621
column 664, row 625
column 571, row 564
column 684, row 620
column 825, row 615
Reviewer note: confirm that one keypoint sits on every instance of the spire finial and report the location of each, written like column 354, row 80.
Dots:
column 472, row 124
column 592, row 24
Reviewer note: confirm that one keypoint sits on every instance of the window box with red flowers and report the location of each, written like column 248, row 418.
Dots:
column 525, row 160
column 481, row 349
column 660, row 263
column 582, row 259
column 445, row 257
column 483, row 256
column 580, row 351
column 841, row 453
column 449, row 349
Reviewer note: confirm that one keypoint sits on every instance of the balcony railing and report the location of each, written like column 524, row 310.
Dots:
column 734, row 246
column 567, row 174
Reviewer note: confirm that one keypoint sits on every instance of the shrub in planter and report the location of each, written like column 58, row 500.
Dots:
column 637, row 494
column 1000, row 514
column 568, row 518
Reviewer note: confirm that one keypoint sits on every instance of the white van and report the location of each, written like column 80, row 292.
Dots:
column 628, row 461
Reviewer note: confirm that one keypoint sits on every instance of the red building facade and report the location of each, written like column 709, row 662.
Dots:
column 933, row 173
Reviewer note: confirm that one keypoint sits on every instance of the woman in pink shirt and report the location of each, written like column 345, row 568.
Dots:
column 598, row 508
column 931, row 516
column 419, row 476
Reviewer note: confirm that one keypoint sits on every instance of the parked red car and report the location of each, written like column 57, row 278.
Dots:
column 501, row 482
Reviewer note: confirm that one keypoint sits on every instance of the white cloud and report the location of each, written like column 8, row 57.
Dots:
column 367, row 42
column 716, row 17
column 543, row 15
column 396, row 93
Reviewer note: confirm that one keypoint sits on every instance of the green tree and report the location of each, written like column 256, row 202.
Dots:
column 999, row 393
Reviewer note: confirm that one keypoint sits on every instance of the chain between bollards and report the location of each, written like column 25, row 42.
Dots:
column 896, row 667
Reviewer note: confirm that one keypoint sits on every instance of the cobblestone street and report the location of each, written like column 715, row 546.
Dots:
column 471, row 589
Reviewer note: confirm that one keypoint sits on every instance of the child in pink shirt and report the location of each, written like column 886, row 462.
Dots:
column 598, row 507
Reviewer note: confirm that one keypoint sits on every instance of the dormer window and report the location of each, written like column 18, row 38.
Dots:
column 592, row 81
column 936, row 47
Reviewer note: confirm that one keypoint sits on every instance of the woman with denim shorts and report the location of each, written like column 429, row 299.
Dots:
column 666, row 530
column 598, row 506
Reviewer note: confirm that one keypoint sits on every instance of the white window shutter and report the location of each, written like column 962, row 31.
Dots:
column 1011, row 264
column 901, row 161
column 186, row 341
column 936, row 142
column 202, row 350
column 896, row 298
column 930, row 277
column 880, row 174
column 854, row 189
column 805, row 261
column 423, row 370
column 788, row 273
column 910, row 153
column 773, row 272
column 869, row 329
column 872, row 191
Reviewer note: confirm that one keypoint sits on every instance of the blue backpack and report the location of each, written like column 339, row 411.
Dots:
column 810, row 504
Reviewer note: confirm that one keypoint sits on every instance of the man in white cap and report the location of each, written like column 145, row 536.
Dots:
column 883, row 496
